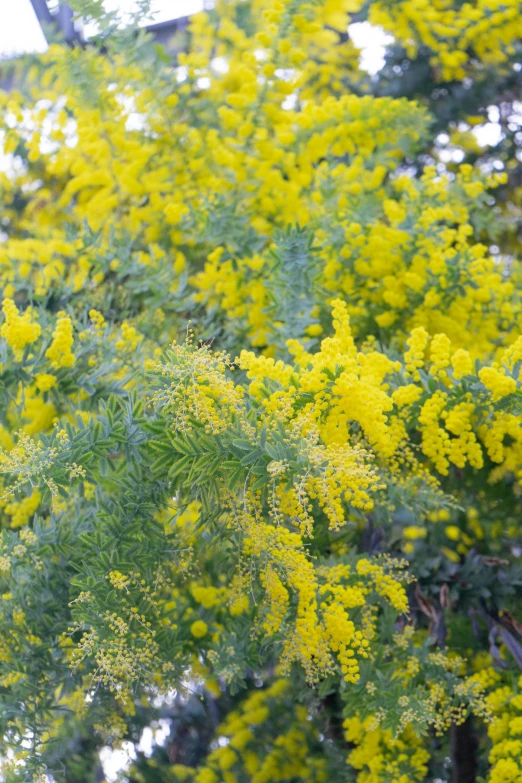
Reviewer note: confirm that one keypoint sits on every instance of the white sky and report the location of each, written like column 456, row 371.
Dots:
column 163, row 10
column 372, row 42
column 20, row 31
column 19, row 28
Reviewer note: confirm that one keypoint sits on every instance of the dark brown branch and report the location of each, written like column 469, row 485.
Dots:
column 464, row 752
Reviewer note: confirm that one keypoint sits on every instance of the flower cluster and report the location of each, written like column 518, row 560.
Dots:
column 18, row 330
column 323, row 481
column 382, row 757
column 450, row 30
column 268, row 715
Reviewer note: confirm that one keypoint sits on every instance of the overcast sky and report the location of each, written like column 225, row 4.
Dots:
column 20, row 31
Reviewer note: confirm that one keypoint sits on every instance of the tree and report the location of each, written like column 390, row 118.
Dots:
column 261, row 434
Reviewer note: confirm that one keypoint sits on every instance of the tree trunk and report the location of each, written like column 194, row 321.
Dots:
column 464, row 753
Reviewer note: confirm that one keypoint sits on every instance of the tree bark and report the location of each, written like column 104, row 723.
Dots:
column 463, row 753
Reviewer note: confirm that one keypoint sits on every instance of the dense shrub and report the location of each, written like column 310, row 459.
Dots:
column 260, row 405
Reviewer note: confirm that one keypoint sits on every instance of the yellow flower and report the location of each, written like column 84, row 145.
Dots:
column 59, row 352
column 18, row 330
column 198, row 629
